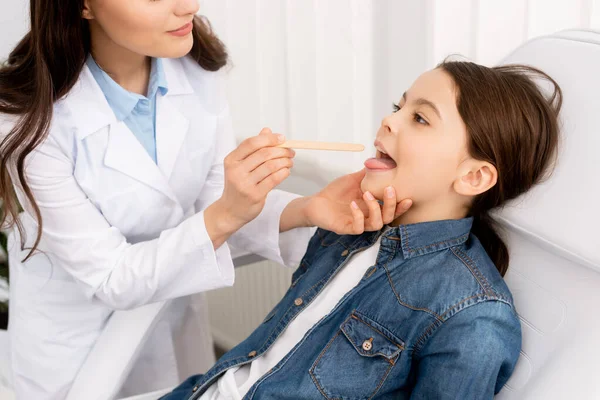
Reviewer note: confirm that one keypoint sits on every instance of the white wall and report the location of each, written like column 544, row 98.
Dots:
column 14, row 23
column 320, row 70
column 329, row 70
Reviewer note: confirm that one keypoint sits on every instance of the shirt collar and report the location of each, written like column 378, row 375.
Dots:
column 158, row 79
column 121, row 101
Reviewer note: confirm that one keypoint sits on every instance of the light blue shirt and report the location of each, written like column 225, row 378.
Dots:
column 137, row 111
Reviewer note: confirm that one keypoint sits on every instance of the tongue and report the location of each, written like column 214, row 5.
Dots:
column 380, row 163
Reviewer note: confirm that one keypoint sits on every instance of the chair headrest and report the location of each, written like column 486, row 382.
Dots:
column 563, row 213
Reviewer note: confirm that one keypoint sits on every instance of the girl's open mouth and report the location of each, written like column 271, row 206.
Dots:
column 381, row 162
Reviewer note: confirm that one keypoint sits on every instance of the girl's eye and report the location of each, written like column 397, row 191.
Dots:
column 420, row 120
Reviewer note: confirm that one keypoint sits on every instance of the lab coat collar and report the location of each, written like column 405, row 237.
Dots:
column 91, row 112
column 136, row 164
column 176, row 77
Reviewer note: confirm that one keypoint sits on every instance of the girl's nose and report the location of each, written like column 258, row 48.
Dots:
column 386, row 124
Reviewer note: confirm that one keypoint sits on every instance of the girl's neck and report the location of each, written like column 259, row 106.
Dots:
column 129, row 69
column 428, row 212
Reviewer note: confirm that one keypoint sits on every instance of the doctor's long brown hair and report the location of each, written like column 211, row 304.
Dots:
column 41, row 69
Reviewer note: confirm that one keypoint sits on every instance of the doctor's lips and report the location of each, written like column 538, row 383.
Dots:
column 382, row 160
column 183, row 30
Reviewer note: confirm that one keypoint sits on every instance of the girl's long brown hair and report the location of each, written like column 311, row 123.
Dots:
column 42, row 68
column 514, row 126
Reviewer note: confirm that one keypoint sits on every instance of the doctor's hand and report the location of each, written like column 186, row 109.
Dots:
column 343, row 208
column 251, row 171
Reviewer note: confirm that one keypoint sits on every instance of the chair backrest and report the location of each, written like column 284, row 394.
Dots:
column 553, row 235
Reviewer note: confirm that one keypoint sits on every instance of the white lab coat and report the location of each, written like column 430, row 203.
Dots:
column 120, row 231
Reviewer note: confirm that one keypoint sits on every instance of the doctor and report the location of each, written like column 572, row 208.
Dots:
column 116, row 138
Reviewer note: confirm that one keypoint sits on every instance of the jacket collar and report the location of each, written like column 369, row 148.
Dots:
column 416, row 239
column 428, row 237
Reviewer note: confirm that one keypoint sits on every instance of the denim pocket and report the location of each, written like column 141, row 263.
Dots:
column 357, row 360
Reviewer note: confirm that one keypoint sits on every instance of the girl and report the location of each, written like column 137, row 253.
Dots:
column 418, row 310
column 114, row 134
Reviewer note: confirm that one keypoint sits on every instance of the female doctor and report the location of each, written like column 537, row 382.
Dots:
column 116, row 139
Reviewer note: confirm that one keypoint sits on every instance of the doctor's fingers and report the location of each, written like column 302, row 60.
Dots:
column 269, row 167
column 253, row 144
column 259, row 157
column 374, row 221
column 388, row 210
column 272, row 181
column 358, row 220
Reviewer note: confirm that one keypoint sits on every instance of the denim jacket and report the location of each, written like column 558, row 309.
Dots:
column 432, row 319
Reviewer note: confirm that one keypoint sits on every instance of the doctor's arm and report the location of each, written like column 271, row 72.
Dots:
column 122, row 275
column 262, row 234
column 250, row 172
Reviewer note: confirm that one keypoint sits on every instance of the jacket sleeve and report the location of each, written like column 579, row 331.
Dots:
column 471, row 355
column 260, row 236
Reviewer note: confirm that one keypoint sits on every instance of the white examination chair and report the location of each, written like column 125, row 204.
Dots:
column 553, row 237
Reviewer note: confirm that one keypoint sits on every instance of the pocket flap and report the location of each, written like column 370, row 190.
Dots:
column 369, row 338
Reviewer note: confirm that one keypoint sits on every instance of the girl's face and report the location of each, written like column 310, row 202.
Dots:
column 155, row 28
column 427, row 142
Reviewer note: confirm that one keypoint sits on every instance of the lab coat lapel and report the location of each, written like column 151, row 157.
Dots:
column 125, row 154
column 171, row 129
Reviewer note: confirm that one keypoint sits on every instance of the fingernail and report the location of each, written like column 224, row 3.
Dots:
column 354, row 205
column 407, row 204
column 280, row 138
column 389, row 191
column 369, row 196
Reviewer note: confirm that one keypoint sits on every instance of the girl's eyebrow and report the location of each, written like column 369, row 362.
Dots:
column 424, row 102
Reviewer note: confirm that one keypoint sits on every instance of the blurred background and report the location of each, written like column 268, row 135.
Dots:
column 329, row 70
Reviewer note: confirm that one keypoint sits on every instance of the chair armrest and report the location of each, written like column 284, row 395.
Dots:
column 112, row 357
column 150, row 396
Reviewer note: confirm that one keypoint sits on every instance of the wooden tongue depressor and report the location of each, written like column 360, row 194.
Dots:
column 307, row 145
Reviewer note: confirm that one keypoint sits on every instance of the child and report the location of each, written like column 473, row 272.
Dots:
column 418, row 310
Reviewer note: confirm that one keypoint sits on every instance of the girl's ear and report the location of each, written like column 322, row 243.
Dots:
column 475, row 177
column 87, row 11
